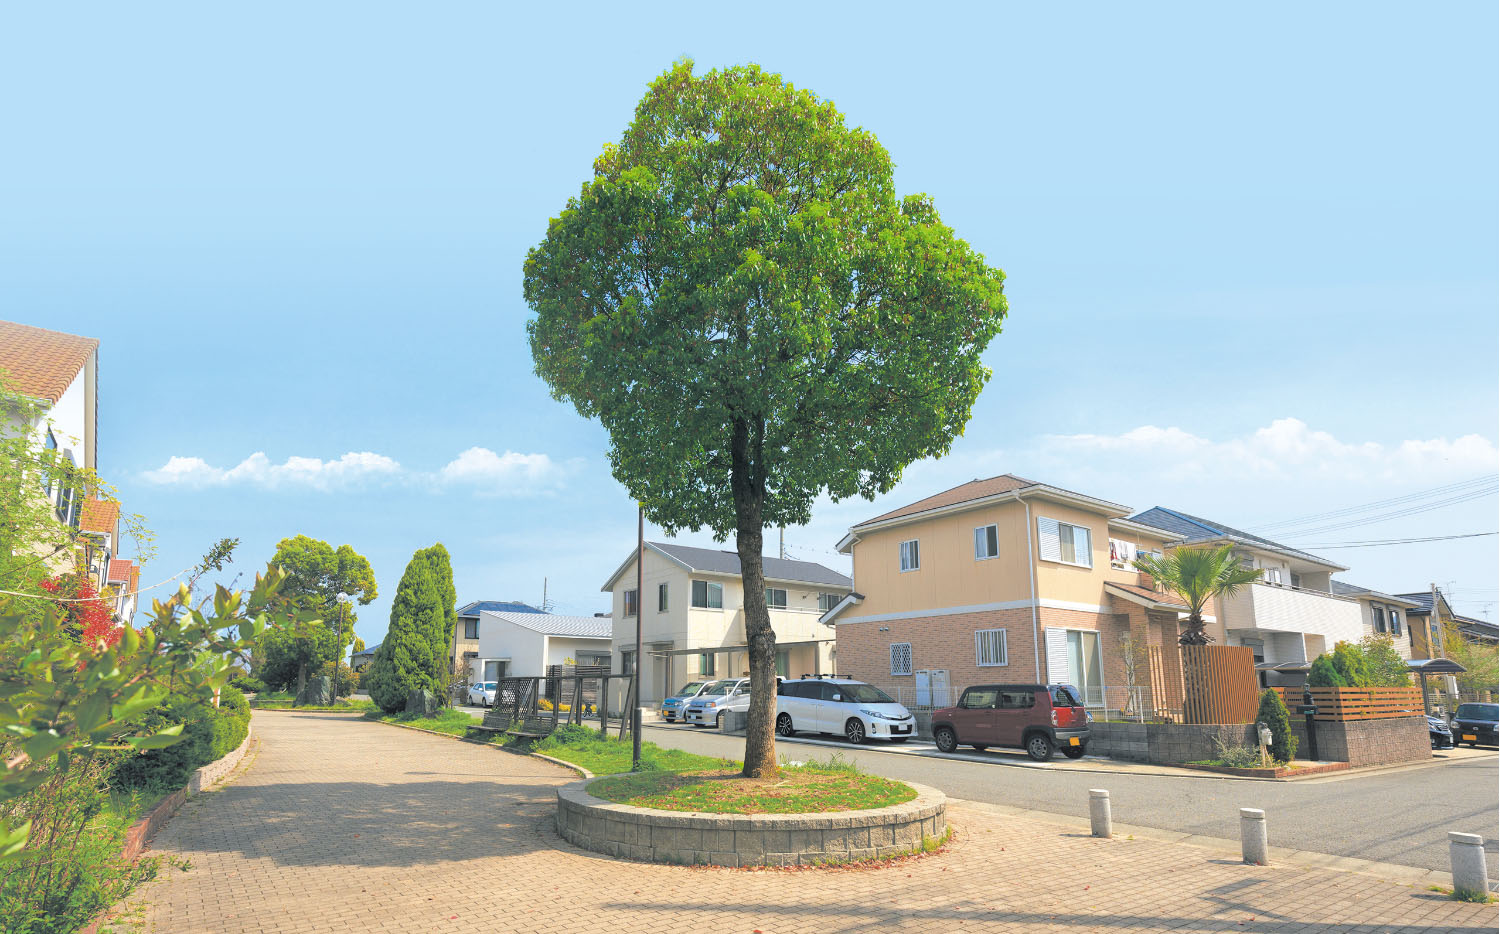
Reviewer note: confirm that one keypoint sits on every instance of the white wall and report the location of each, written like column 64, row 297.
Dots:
column 501, row 639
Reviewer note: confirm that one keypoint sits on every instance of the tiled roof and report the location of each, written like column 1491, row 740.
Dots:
column 1354, row 590
column 40, row 363
column 1146, row 593
column 1193, row 528
column 496, row 606
column 778, row 569
column 1423, row 600
column 120, row 570
column 99, row 515
column 974, row 489
column 583, row 627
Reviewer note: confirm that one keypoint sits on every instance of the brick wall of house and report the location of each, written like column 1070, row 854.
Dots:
column 945, row 642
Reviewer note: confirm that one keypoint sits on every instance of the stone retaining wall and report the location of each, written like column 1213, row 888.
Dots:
column 1357, row 742
column 693, row 838
column 1367, row 742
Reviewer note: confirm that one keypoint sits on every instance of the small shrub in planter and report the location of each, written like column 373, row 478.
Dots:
column 1273, row 713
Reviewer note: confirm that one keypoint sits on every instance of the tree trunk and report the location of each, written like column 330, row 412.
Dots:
column 749, row 499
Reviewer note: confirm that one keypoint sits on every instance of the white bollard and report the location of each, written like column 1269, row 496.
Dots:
column 1099, row 815
column 1466, row 854
column 1253, row 836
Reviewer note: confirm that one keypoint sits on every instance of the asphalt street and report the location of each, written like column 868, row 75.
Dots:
column 1394, row 816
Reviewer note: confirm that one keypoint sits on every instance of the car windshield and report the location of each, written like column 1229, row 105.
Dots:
column 1478, row 711
column 863, row 694
column 689, row 689
column 714, row 690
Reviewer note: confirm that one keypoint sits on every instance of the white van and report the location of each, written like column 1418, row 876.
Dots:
column 844, row 706
column 707, row 709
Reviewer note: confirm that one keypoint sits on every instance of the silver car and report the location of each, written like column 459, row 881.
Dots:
column 482, row 693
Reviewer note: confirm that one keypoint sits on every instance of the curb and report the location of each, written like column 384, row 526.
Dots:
column 583, row 773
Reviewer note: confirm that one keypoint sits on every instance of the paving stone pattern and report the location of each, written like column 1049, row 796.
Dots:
column 343, row 825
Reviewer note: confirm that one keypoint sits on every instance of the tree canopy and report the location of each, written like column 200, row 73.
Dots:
column 414, row 654
column 1198, row 575
column 316, row 573
column 756, row 318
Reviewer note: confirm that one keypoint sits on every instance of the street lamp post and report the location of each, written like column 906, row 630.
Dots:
column 338, row 647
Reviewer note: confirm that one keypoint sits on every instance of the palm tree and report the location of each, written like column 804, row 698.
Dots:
column 1198, row 575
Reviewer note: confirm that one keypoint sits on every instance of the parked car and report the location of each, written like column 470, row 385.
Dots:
column 1438, row 732
column 853, row 709
column 1476, row 723
column 708, row 708
column 1038, row 718
column 482, row 693
column 675, row 707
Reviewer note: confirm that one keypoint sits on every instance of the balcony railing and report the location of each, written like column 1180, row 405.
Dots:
column 1283, row 608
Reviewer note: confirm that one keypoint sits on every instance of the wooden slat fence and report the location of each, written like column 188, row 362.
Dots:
column 1336, row 704
column 1219, row 684
column 1166, row 684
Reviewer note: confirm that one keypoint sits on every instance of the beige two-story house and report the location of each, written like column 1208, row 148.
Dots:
column 693, row 616
column 1011, row 580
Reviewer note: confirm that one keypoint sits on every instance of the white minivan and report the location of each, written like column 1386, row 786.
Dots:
column 856, row 710
column 707, row 709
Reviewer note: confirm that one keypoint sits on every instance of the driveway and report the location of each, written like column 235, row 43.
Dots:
column 1396, row 816
column 339, row 824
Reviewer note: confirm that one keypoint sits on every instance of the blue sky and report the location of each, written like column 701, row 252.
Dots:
column 1251, row 257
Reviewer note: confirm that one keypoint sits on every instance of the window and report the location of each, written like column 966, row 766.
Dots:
column 784, row 663
column 661, row 598
column 627, row 662
column 471, row 629
column 708, row 595
column 909, row 557
column 1395, row 622
column 1296, row 579
column 632, row 601
column 986, row 542
column 979, row 698
column 1065, row 543
column 1017, row 699
column 776, row 598
column 706, row 663
column 989, row 648
column 1271, row 576
column 900, row 658
column 1377, row 613
column 827, row 601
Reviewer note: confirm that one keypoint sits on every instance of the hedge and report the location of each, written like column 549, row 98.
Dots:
column 209, row 734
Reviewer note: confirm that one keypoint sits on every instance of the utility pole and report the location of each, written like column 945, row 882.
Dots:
column 640, row 655
column 544, row 596
column 782, row 552
column 1435, row 627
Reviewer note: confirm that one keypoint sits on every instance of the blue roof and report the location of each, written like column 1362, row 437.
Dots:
column 1193, row 528
column 497, row 606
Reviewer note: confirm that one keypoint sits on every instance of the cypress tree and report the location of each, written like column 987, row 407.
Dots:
column 1273, row 713
column 405, row 661
column 441, row 567
column 1323, row 674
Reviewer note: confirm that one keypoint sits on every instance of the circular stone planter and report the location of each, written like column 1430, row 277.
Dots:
column 696, row 838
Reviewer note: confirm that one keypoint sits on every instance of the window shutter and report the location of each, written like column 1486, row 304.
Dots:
column 1057, row 655
column 1050, row 539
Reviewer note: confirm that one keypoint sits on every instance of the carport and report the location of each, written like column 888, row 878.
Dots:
column 1433, row 666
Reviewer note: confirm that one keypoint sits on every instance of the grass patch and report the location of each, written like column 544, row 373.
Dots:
column 801, row 789
column 583, row 746
column 450, row 721
column 343, row 705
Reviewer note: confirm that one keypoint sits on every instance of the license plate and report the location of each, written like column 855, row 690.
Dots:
column 900, row 729
column 1072, row 741
column 1470, row 736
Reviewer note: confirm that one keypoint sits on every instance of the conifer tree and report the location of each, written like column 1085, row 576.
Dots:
column 405, row 661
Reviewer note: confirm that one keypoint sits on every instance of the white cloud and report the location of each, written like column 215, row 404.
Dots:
column 510, row 473
column 296, row 472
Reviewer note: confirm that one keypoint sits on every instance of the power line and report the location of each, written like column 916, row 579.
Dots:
column 1451, row 488
column 1395, row 541
column 1401, row 513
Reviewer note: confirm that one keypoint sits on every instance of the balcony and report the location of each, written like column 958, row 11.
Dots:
column 1277, row 608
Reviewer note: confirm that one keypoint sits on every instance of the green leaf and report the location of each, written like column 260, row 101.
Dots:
column 42, row 745
column 158, row 740
column 13, row 839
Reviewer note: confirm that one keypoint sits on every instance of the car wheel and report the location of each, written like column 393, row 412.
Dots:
column 946, row 739
column 979, row 747
column 1039, row 747
column 1073, row 752
column 854, row 731
column 784, row 725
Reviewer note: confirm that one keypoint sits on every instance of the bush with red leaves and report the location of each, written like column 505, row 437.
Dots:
column 90, row 619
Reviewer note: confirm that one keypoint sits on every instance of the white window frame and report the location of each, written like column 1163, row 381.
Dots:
column 895, row 672
column 827, row 601
column 708, row 590
column 775, row 606
column 982, row 538
column 985, row 655
column 916, row 555
column 662, row 601
column 1049, row 531
column 626, row 599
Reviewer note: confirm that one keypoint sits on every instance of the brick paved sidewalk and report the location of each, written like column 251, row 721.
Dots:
column 340, row 825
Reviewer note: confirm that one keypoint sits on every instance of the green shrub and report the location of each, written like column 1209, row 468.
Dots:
column 1237, row 757
column 1349, row 660
column 1324, row 674
column 209, row 733
column 1386, row 667
column 1273, row 713
column 248, row 684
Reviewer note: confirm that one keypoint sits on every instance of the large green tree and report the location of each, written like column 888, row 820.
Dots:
column 316, row 573
column 440, row 565
column 742, row 300
column 413, row 656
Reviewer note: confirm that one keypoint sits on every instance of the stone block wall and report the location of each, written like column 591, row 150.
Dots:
column 1367, row 742
column 747, row 839
column 1357, row 742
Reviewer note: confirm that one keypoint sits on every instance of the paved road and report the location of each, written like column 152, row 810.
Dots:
column 338, row 825
column 1400, row 816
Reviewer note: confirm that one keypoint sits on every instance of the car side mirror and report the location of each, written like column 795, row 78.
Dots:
column 838, row 697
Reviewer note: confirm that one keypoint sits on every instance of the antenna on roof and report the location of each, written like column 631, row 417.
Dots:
column 546, row 604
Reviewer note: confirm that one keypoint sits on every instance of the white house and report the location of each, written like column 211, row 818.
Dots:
column 694, row 621
column 524, row 644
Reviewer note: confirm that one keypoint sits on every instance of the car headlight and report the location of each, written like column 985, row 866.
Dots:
column 875, row 714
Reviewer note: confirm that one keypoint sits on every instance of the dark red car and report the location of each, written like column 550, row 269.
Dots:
column 1038, row 718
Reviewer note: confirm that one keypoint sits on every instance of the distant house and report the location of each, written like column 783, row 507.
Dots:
column 1384, row 614
column 693, row 624
column 359, row 661
column 1427, row 627
column 465, row 642
column 524, row 644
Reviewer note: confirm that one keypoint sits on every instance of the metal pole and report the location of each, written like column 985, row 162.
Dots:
column 640, row 655
column 336, row 654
